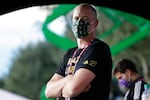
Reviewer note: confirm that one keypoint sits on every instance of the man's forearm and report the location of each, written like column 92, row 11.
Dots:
column 76, row 85
column 68, row 90
column 54, row 88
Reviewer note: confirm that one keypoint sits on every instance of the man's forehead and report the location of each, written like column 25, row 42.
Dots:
column 81, row 14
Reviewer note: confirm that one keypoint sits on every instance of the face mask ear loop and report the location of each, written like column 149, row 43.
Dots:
column 91, row 31
column 78, row 19
column 129, row 78
column 92, row 22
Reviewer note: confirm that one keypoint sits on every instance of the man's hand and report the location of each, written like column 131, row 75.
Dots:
column 87, row 88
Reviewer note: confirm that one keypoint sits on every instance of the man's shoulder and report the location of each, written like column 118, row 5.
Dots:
column 72, row 49
column 100, row 42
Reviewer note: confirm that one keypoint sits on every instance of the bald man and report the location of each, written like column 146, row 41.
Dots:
column 85, row 70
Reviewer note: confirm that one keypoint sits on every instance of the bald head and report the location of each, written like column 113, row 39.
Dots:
column 86, row 9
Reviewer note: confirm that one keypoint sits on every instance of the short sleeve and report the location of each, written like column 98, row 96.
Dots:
column 97, row 58
column 63, row 63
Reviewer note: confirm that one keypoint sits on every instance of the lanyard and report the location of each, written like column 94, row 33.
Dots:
column 72, row 65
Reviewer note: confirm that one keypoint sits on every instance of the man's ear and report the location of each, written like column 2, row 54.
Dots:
column 96, row 23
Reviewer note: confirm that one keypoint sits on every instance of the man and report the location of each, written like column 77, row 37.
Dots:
column 85, row 71
column 126, row 72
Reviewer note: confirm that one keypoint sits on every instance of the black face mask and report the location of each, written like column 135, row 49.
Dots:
column 80, row 28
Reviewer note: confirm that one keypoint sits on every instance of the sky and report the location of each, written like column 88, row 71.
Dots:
column 17, row 29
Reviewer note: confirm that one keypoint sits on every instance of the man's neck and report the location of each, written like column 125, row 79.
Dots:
column 135, row 76
column 84, row 42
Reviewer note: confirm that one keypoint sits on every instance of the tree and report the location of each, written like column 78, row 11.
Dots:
column 31, row 69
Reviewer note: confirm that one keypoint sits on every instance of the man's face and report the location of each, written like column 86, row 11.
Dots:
column 84, row 22
column 125, row 78
column 120, row 75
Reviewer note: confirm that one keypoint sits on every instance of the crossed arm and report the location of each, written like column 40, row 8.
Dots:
column 71, row 85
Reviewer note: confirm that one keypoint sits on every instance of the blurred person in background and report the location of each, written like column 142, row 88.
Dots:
column 126, row 73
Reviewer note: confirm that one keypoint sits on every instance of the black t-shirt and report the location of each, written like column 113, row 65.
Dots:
column 96, row 58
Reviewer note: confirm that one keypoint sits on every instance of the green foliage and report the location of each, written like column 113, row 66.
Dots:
column 31, row 69
column 1, row 82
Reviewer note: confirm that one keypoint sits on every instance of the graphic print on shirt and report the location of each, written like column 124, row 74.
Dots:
column 91, row 63
column 70, row 69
